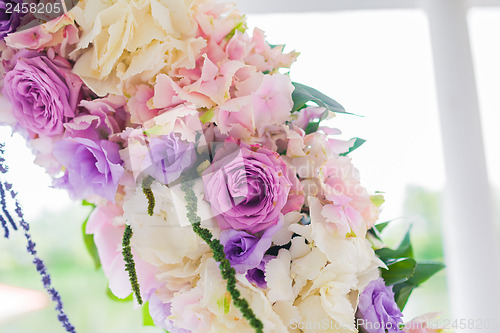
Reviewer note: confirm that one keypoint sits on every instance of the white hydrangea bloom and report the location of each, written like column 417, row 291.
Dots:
column 165, row 239
column 115, row 51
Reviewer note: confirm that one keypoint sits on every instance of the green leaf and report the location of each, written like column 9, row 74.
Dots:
column 381, row 226
column 357, row 143
column 378, row 200
column 88, row 240
column 113, row 297
column 378, row 228
column 304, row 94
column 424, row 270
column 404, row 250
column 402, row 292
column 207, row 116
column 312, row 127
column 86, row 203
column 241, row 26
column 146, row 317
column 155, row 130
column 399, row 270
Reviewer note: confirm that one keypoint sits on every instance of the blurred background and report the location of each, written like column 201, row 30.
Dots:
column 377, row 64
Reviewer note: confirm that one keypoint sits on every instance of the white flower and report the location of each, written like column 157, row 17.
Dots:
column 318, row 319
column 278, row 277
column 133, row 40
column 166, row 238
column 283, row 236
column 288, row 314
column 328, row 274
column 310, row 265
column 208, row 306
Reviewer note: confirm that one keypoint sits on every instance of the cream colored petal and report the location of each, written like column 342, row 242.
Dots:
column 284, row 235
column 162, row 16
column 83, row 68
column 310, row 265
column 143, row 60
column 288, row 314
column 278, row 277
column 299, row 248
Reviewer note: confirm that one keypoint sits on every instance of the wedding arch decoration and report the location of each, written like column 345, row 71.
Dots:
column 219, row 198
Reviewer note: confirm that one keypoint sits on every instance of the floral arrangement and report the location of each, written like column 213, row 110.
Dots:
column 220, row 200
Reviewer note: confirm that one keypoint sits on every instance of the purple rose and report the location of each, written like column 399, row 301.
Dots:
column 11, row 20
column 245, row 251
column 257, row 275
column 43, row 92
column 98, row 118
column 247, row 187
column 378, row 310
column 168, row 157
column 91, row 167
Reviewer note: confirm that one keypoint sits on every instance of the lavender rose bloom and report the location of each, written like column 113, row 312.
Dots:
column 43, row 92
column 257, row 275
column 247, row 187
column 378, row 309
column 9, row 21
column 91, row 167
column 245, row 251
column 168, row 157
column 98, row 119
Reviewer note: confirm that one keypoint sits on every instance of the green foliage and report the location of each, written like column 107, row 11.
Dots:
column 399, row 270
column 86, row 203
column 312, row 127
column 88, row 240
column 146, row 317
column 241, row 26
column 404, row 250
column 403, row 272
column 377, row 199
column 422, row 272
column 302, row 97
column 381, row 226
column 357, row 143
column 304, row 94
column 207, row 116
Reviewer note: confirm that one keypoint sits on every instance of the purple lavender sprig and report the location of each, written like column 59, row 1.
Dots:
column 5, row 228
column 31, row 246
column 3, row 167
column 3, row 202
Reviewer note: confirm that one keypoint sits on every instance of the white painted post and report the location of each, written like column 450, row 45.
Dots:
column 470, row 236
